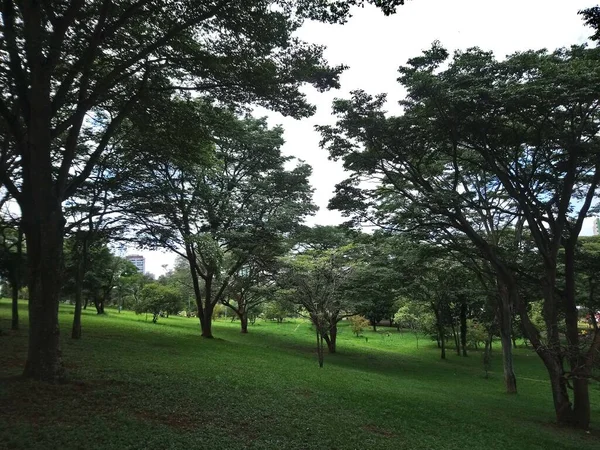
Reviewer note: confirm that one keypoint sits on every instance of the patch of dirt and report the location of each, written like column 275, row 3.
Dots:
column 378, row 430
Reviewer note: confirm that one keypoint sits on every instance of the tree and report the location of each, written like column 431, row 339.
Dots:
column 358, row 324
column 414, row 316
column 374, row 283
column 250, row 287
column 316, row 281
column 528, row 127
column 220, row 216
column 75, row 70
column 157, row 299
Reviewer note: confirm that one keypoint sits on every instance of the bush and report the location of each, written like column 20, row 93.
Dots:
column 358, row 324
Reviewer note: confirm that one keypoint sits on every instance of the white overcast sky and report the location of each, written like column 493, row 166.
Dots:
column 374, row 46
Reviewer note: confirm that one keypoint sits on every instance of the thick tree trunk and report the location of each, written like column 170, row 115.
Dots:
column 206, row 320
column 579, row 365
column 463, row 328
column 244, row 322
column 44, row 228
column 330, row 341
column 331, row 346
column 99, row 304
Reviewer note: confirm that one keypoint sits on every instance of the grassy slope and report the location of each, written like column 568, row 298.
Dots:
column 140, row 385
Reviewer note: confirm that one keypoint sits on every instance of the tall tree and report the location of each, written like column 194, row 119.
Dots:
column 222, row 212
column 315, row 276
column 530, row 123
column 73, row 67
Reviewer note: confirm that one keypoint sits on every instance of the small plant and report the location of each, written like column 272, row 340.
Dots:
column 358, row 324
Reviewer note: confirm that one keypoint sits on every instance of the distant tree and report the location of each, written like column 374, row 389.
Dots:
column 316, row 281
column 415, row 316
column 157, row 299
column 219, row 215
column 358, row 324
column 13, row 264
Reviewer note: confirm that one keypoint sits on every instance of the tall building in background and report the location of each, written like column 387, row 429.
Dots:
column 596, row 227
column 138, row 261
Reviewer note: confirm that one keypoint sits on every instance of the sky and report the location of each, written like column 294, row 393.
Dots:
column 374, row 46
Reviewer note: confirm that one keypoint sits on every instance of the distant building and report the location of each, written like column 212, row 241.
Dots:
column 596, row 227
column 138, row 261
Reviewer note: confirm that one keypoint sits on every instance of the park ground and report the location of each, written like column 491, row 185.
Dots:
column 138, row 385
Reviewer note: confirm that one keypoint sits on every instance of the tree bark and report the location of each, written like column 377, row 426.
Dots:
column 206, row 320
column 44, row 227
column 456, row 340
column 505, row 325
column 15, row 307
column 331, row 339
column 440, row 330
column 244, row 322
column 580, row 367
column 463, row 328
column 76, row 330
column 16, row 282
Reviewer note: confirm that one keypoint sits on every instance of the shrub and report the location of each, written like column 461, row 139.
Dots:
column 358, row 324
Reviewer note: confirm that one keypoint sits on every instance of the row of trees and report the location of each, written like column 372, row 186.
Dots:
column 498, row 161
column 74, row 75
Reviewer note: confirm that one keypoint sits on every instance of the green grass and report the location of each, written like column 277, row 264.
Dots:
column 138, row 385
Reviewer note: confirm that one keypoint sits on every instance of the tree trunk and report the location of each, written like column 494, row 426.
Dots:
column 44, row 227
column 98, row 304
column 510, row 380
column 505, row 325
column 244, row 322
column 16, row 281
column 456, row 341
column 579, row 365
column 440, row 330
column 331, row 342
column 76, row 330
column 319, row 346
column 206, row 319
column 15, row 307
column 463, row 328
column 443, row 344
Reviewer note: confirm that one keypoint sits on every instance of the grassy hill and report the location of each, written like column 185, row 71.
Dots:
column 138, row 385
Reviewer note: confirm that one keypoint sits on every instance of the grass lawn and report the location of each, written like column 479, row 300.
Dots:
column 138, row 385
